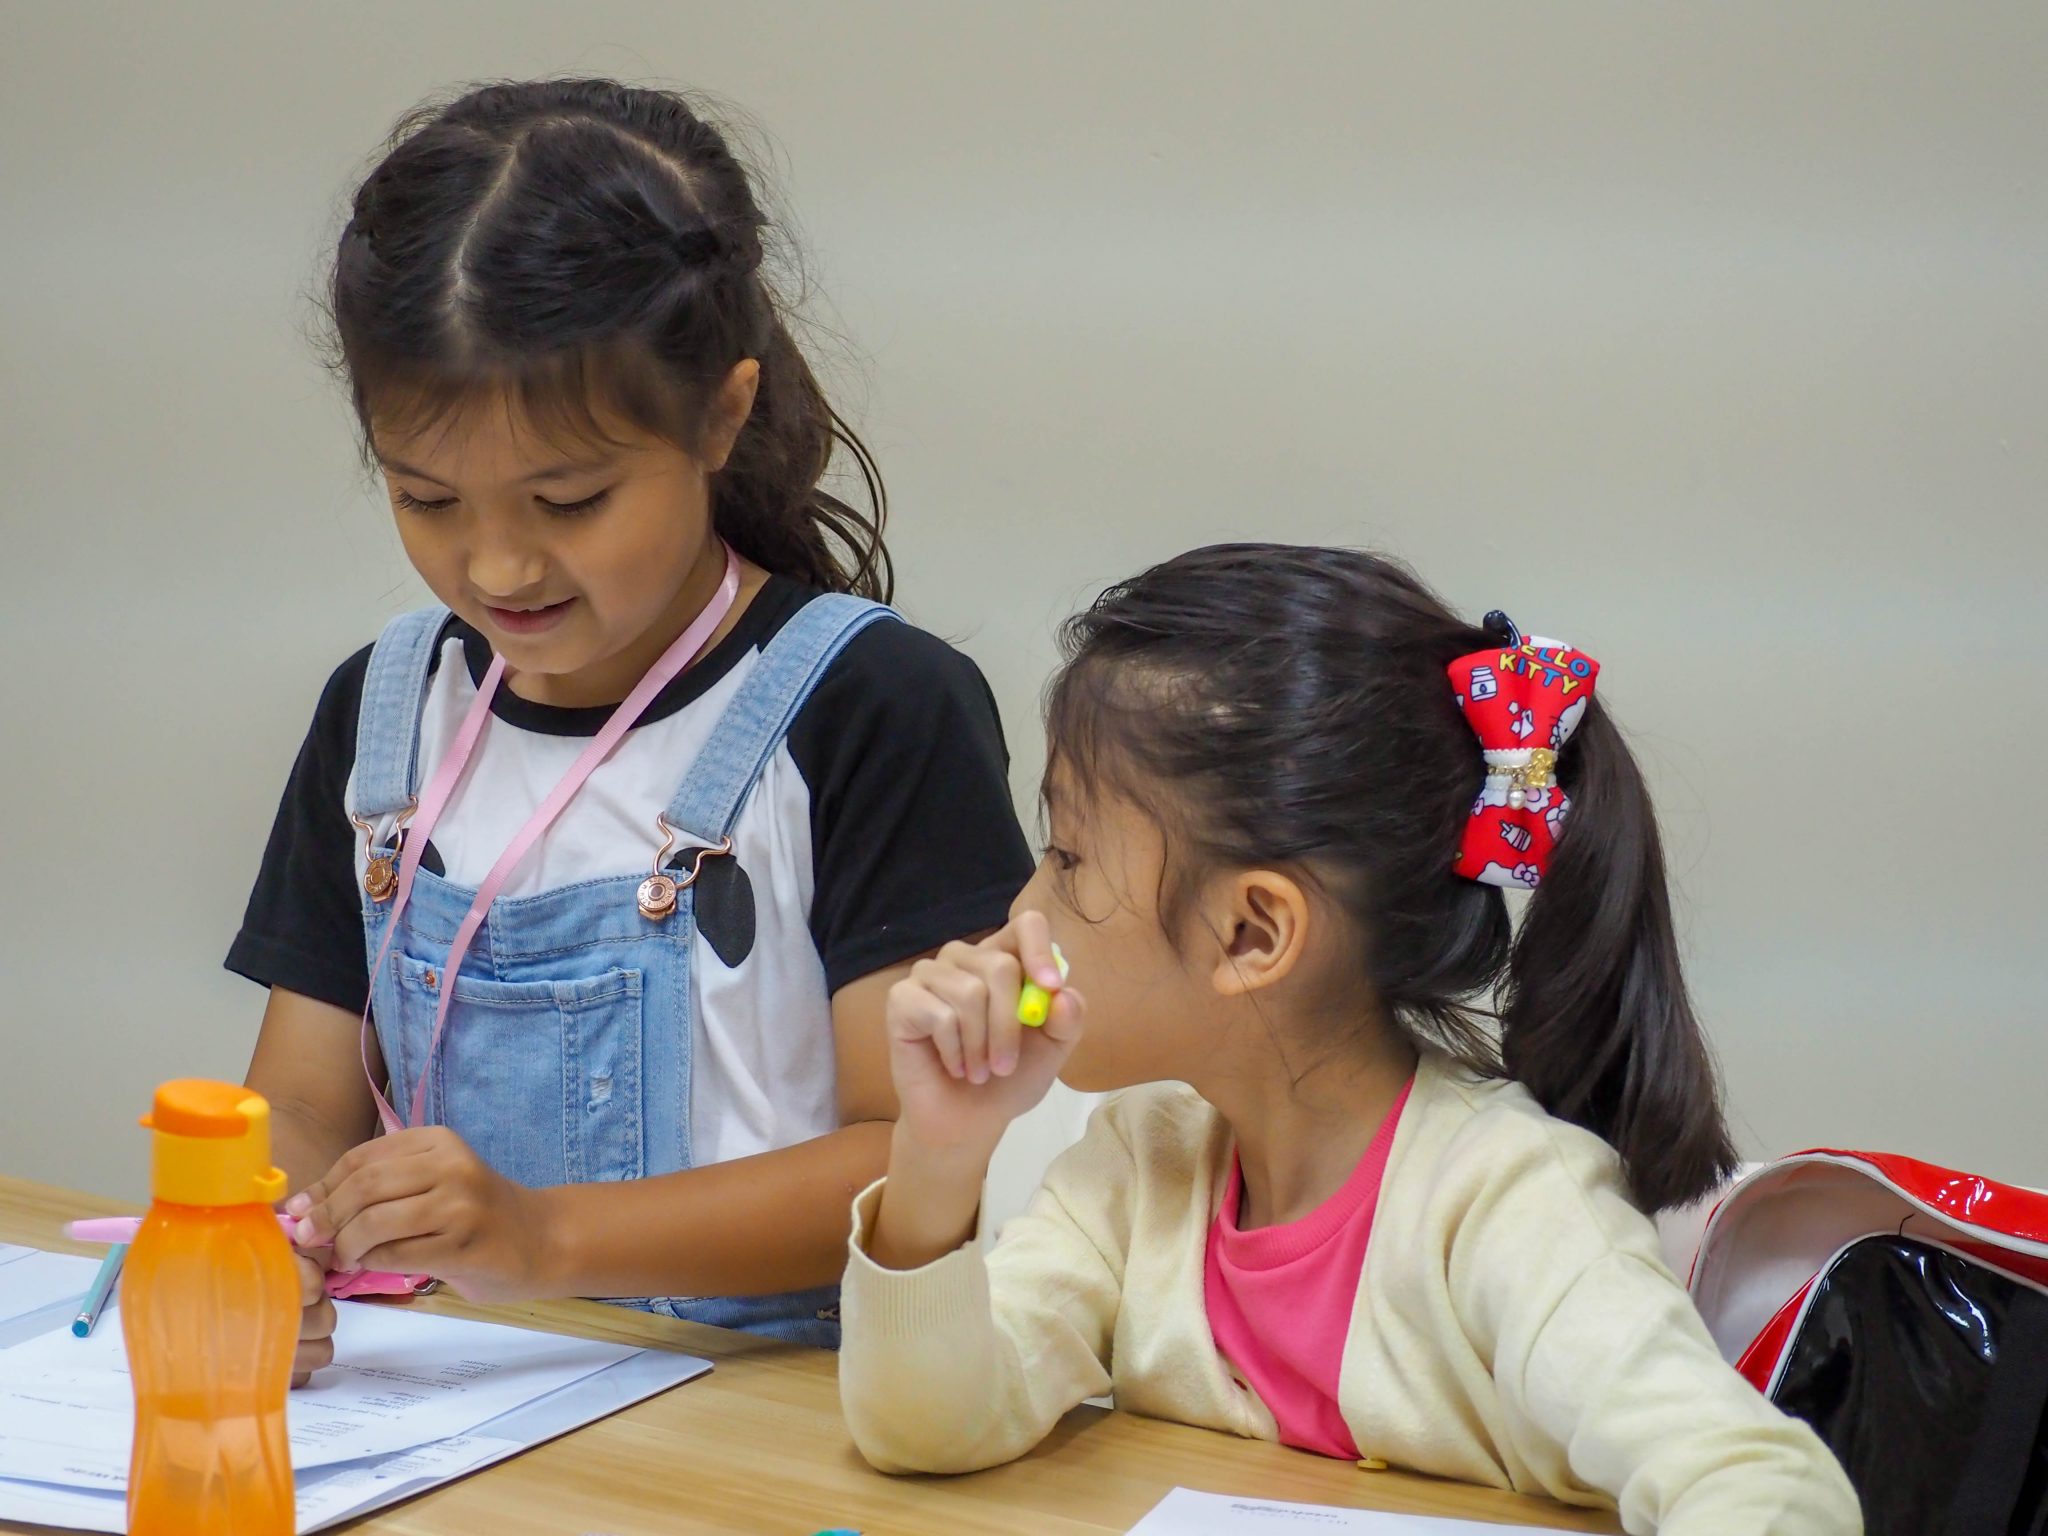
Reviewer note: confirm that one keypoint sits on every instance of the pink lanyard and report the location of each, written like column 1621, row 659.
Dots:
column 672, row 661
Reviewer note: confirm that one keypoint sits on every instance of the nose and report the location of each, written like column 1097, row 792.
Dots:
column 503, row 568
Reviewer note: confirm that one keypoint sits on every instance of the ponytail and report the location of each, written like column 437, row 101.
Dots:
column 1595, row 1019
column 1337, row 743
column 767, row 501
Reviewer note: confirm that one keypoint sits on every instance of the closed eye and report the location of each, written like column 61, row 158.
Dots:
column 413, row 503
column 1062, row 860
column 575, row 508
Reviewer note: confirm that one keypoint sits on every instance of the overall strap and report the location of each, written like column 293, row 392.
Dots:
column 386, row 778
column 759, row 716
column 707, row 805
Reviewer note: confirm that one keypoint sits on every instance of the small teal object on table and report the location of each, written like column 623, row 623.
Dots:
column 102, row 1288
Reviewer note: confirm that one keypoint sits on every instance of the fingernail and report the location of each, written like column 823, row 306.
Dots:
column 978, row 1076
column 1005, row 1065
column 298, row 1205
column 302, row 1234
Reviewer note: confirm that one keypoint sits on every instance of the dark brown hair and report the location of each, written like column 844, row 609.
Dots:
column 586, row 246
column 1290, row 706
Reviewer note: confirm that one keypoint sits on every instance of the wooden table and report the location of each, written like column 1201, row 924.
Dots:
column 757, row 1448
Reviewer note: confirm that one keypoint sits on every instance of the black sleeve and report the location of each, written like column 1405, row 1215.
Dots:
column 913, row 837
column 303, row 929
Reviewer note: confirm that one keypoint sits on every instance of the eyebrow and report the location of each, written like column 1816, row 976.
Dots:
column 554, row 472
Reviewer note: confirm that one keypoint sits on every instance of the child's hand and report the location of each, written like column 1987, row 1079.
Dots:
column 421, row 1202
column 316, row 1318
column 964, row 1067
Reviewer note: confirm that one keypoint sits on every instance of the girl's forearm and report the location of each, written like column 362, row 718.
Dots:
column 309, row 1063
column 754, row 1226
column 303, row 1142
column 928, row 1207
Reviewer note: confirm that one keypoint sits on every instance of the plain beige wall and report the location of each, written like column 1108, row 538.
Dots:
column 1713, row 337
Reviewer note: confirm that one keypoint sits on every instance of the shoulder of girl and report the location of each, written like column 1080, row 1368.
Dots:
column 1493, row 1141
column 1499, row 1120
column 341, row 699
column 345, row 683
column 894, row 675
column 343, row 690
column 896, row 652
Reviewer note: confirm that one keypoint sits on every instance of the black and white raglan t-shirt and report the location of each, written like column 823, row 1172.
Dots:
column 880, row 829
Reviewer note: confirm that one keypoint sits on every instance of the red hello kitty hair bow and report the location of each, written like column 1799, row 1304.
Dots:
column 1523, row 699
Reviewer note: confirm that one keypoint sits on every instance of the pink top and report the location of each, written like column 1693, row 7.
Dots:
column 1280, row 1298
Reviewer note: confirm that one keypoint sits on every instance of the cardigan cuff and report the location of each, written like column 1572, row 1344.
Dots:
column 910, row 1303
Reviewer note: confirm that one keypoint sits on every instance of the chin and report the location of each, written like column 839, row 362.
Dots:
column 1102, row 1077
column 547, row 655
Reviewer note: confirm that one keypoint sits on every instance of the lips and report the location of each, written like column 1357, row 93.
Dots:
column 529, row 621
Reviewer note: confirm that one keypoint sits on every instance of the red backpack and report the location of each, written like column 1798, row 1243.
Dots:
column 1902, row 1310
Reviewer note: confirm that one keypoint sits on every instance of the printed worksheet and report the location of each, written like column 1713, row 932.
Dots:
column 31, row 1280
column 321, row 1499
column 1184, row 1512
column 402, row 1379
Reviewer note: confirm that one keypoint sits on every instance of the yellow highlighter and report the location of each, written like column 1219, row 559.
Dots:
column 1034, row 1003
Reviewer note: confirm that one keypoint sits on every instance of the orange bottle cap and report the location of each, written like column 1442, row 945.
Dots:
column 211, row 1145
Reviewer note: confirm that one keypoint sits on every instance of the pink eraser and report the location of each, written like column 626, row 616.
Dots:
column 103, row 1229
column 372, row 1282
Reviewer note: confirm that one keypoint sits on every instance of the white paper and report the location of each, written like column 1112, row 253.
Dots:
column 401, row 1379
column 1184, row 1512
column 327, row 1496
column 321, row 1498
column 30, row 1281
column 65, row 1507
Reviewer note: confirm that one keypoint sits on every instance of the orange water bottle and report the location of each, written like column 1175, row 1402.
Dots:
column 210, row 1313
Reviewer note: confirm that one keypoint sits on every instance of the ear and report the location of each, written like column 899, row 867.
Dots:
column 1263, row 918
column 730, row 407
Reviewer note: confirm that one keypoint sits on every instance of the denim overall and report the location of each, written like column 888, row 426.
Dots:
column 566, row 1055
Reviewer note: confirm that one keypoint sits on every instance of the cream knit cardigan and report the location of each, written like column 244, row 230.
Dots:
column 1515, row 1325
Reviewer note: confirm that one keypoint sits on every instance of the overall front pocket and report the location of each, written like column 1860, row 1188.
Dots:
column 541, row 1078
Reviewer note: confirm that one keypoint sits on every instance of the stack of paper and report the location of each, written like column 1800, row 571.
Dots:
column 31, row 1280
column 1184, row 1512
column 412, row 1400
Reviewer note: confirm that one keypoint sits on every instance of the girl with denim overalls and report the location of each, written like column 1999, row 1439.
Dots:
column 591, row 880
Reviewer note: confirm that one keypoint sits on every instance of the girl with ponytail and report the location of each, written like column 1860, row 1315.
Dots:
column 1348, row 1202
column 591, row 879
